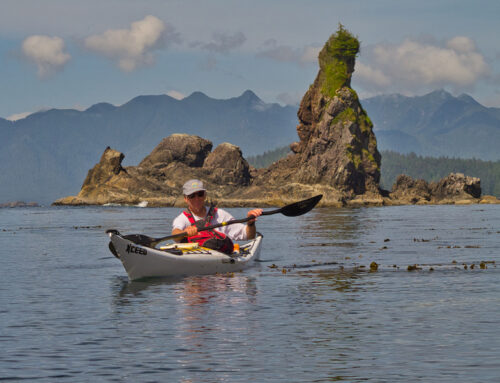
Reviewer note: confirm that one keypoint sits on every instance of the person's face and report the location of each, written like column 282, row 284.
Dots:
column 196, row 201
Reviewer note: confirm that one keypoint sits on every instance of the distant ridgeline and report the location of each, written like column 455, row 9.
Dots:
column 436, row 124
column 53, row 150
column 415, row 166
column 336, row 153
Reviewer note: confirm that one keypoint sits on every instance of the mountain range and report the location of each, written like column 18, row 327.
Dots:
column 47, row 155
column 436, row 124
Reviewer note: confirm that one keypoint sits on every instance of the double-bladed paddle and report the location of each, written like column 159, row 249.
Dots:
column 293, row 210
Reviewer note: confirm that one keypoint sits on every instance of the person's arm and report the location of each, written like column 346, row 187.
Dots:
column 190, row 231
column 181, row 225
column 251, row 229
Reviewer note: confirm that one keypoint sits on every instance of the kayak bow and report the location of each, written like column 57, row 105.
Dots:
column 142, row 259
column 180, row 259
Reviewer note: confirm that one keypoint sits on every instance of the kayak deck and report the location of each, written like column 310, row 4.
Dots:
column 181, row 259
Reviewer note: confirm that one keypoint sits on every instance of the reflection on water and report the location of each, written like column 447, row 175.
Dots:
column 332, row 227
column 205, row 311
column 341, row 280
column 198, row 288
column 312, row 310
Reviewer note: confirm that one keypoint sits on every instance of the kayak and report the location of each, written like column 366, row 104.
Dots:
column 141, row 258
column 178, row 259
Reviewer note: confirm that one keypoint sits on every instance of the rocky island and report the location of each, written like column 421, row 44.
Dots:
column 336, row 156
column 14, row 204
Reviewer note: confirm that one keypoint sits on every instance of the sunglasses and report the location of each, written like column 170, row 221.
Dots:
column 197, row 194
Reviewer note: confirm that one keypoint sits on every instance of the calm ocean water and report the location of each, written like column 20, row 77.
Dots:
column 68, row 312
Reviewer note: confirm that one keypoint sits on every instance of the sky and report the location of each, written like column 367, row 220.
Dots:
column 73, row 53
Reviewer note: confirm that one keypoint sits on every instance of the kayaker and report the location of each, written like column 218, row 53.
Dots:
column 199, row 215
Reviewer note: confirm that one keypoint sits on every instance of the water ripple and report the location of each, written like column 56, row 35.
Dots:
column 314, row 310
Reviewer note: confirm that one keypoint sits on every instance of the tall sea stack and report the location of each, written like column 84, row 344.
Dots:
column 336, row 156
column 337, row 145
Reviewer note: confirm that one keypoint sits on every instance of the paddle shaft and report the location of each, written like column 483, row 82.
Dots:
column 292, row 210
column 211, row 227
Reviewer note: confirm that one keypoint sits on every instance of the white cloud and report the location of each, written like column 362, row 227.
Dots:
column 273, row 51
column 285, row 53
column 222, row 42
column 310, row 54
column 461, row 44
column 133, row 47
column 18, row 116
column 413, row 66
column 375, row 76
column 47, row 53
column 290, row 98
column 79, row 107
column 175, row 94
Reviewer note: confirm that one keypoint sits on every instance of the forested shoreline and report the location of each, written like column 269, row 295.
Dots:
column 416, row 166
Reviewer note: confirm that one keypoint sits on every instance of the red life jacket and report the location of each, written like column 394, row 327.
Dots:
column 211, row 239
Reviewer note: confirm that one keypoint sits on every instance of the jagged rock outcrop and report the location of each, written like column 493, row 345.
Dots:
column 14, row 204
column 181, row 148
column 410, row 190
column 159, row 177
column 454, row 188
column 336, row 156
column 227, row 165
column 109, row 182
column 227, row 176
column 457, row 185
column 337, row 146
column 109, row 165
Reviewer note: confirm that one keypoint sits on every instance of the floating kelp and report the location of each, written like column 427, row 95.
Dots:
column 413, row 267
column 374, row 266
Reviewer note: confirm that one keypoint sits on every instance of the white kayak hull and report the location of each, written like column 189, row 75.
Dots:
column 142, row 262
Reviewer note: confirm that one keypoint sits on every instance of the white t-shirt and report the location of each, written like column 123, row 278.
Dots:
column 237, row 231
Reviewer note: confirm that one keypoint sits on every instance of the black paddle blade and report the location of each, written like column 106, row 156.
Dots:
column 140, row 239
column 301, row 207
column 113, row 250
